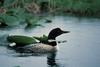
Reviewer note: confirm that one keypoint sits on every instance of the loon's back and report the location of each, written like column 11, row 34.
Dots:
column 40, row 48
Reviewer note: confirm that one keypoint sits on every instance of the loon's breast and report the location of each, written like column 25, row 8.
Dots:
column 41, row 48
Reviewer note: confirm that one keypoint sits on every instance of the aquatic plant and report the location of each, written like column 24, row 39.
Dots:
column 42, row 39
column 14, row 12
column 20, row 40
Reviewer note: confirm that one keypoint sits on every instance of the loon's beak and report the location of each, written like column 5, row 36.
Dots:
column 65, row 31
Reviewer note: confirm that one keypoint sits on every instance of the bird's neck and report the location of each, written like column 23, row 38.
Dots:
column 52, row 37
column 52, row 41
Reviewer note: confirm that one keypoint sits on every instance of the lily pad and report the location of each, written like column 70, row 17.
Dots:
column 21, row 40
column 9, row 20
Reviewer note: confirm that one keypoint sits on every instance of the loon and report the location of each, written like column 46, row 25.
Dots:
column 50, row 46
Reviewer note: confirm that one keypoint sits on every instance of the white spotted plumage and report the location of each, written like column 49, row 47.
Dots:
column 41, row 48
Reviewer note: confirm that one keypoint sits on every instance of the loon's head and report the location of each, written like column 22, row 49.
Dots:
column 54, row 33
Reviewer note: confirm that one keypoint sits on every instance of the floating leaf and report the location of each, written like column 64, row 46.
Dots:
column 19, row 13
column 9, row 20
column 21, row 40
column 8, row 3
column 42, row 39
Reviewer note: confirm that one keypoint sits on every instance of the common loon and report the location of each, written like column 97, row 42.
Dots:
column 50, row 46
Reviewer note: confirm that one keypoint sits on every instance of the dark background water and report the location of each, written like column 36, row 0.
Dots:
column 81, row 49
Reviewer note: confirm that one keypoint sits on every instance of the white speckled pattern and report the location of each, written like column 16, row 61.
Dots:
column 41, row 48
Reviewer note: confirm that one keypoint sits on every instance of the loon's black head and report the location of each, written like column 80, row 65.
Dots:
column 54, row 33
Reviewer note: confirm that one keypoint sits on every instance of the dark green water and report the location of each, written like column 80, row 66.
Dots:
column 81, row 49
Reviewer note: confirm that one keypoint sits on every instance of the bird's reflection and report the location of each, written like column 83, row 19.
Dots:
column 51, row 60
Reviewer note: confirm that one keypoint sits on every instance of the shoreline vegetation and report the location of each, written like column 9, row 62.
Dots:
column 13, row 12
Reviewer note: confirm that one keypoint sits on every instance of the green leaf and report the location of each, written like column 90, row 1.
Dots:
column 19, row 13
column 8, row 2
column 21, row 40
column 42, row 39
column 9, row 20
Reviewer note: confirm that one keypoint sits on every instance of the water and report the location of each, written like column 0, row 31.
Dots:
column 81, row 49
